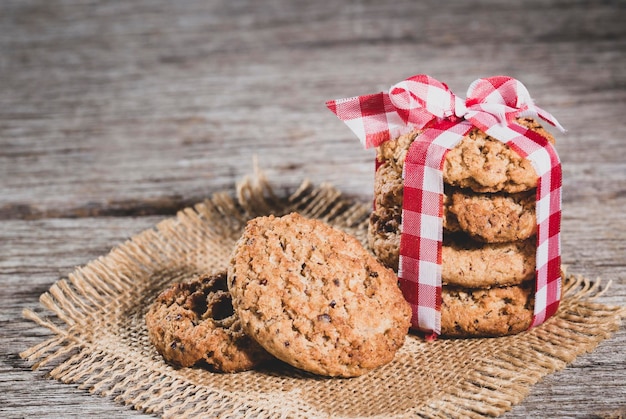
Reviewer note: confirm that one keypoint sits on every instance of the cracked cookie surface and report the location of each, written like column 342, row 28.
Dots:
column 465, row 262
column 478, row 162
column 468, row 263
column 490, row 312
column 315, row 298
column 494, row 218
column 488, row 217
column 193, row 323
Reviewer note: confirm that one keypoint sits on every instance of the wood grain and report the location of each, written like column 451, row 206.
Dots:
column 113, row 115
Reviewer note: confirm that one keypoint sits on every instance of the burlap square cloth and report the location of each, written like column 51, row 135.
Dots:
column 99, row 338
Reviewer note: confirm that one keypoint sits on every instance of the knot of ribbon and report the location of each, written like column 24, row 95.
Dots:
column 496, row 100
column 492, row 105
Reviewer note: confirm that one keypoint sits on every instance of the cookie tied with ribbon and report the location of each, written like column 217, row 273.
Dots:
column 492, row 105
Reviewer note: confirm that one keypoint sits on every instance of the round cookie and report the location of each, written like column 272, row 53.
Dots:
column 465, row 262
column 479, row 161
column 315, row 298
column 193, row 323
column 389, row 195
column 490, row 312
column 383, row 235
column 468, row 263
column 388, row 186
column 492, row 218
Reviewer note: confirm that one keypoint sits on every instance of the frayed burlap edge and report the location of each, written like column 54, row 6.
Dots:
column 99, row 341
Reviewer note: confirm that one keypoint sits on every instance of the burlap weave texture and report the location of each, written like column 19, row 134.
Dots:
column 99, row 339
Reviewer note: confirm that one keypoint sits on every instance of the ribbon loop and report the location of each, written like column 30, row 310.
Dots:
column 503, row 99
column 502, row 90
column 421, row 98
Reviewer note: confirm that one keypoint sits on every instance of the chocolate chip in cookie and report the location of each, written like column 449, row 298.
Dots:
column 194, row 323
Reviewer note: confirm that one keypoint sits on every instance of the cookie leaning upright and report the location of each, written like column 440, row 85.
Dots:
column 315, row 298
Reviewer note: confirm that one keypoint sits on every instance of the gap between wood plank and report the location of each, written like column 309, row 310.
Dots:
column 166, row 205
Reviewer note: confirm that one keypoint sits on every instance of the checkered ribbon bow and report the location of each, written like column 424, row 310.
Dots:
column 492, row 104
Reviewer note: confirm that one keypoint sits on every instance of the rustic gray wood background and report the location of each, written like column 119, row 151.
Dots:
column 113, row 115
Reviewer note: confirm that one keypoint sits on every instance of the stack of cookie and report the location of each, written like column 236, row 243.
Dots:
column 488, row 255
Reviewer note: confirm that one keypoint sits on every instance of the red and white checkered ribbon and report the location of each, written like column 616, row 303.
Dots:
column 492, row 104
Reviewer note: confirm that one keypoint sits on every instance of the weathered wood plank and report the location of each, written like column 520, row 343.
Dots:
column 34, row 255
column 104, row 103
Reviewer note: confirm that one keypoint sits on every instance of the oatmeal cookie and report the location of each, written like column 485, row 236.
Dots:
column 490, row 312
column 389, row 195
column 488, row 217
column 383, row 235
column 465, row 262
column 493, row 218
column 471, row 264
column 479, row 161
column 193, row 323
column 315, row 298
column 388, row 186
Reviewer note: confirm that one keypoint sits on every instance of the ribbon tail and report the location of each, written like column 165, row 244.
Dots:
column 503, row 98
column 536, row 111
column 372, row 118
column 550, row 119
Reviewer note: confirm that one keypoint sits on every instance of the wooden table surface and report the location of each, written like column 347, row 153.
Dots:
column 113, row 115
